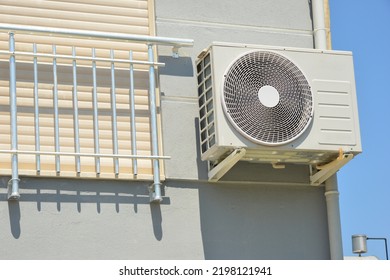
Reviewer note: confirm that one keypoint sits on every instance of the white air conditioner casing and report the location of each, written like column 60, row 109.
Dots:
column 319, row 115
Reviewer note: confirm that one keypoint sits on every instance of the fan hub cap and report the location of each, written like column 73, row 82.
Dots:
column 269, row 96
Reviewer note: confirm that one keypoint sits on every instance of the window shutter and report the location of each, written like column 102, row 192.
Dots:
column 120, row 16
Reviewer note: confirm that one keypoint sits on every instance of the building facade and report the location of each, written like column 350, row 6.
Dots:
column 254, row 212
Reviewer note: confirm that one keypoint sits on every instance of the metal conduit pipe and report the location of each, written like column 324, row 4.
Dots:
column 331, row 187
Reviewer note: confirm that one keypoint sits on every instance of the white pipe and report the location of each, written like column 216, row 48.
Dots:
column 334, row 222
column 319, row 30
column 331, row 188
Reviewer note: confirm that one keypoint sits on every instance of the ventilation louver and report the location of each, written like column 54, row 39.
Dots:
column 267, row 98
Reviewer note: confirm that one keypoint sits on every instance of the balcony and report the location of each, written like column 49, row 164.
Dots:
column 80, row 104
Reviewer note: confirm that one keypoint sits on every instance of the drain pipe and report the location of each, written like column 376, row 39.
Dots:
column 331, row 187
column 319, row 29
column 334, row 222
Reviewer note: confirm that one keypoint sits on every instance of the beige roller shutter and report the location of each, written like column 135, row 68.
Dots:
column 119, row 16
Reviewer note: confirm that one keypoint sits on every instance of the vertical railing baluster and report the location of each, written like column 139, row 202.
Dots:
column 36, row 111
column 56, row 114
column 76, row 113
column 13, row 185
column 156, row 191
column 132, row 116
column 95, row 113
column 114, row 115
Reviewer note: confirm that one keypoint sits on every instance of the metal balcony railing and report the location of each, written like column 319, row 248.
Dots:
column 73, row 59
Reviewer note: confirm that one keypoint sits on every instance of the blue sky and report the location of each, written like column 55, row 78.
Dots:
column 363, row 27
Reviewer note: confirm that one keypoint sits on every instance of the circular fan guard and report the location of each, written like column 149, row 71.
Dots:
column 270, row 125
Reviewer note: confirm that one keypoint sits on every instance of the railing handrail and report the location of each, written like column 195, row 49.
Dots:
column 154, row 40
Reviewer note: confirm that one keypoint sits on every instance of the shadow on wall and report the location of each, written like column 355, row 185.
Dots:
column 14, row 218
column 263, row 222
column 79, row 193
column 178, row 67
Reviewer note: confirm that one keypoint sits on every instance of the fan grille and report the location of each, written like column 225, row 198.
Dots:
column 270, row 125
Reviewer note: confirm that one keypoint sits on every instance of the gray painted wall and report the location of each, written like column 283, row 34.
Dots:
column 255, row 212
column 92, row 219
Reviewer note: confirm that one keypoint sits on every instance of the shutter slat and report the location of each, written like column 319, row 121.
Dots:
column 131, row 8
column 137, row 19
column 75, row 24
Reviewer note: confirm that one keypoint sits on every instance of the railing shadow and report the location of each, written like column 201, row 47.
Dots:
column 81, row 193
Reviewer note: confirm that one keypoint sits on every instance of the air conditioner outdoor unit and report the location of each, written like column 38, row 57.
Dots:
column 278, row 105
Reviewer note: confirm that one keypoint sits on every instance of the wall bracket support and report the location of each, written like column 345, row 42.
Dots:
column 225, row 165
column 175, row 52
column 327, row 170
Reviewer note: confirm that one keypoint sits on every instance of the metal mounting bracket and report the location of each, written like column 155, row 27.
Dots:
column 155, row 193
column 175, row 52
column 12, row 194
column 225, row 165
column 327, row 170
